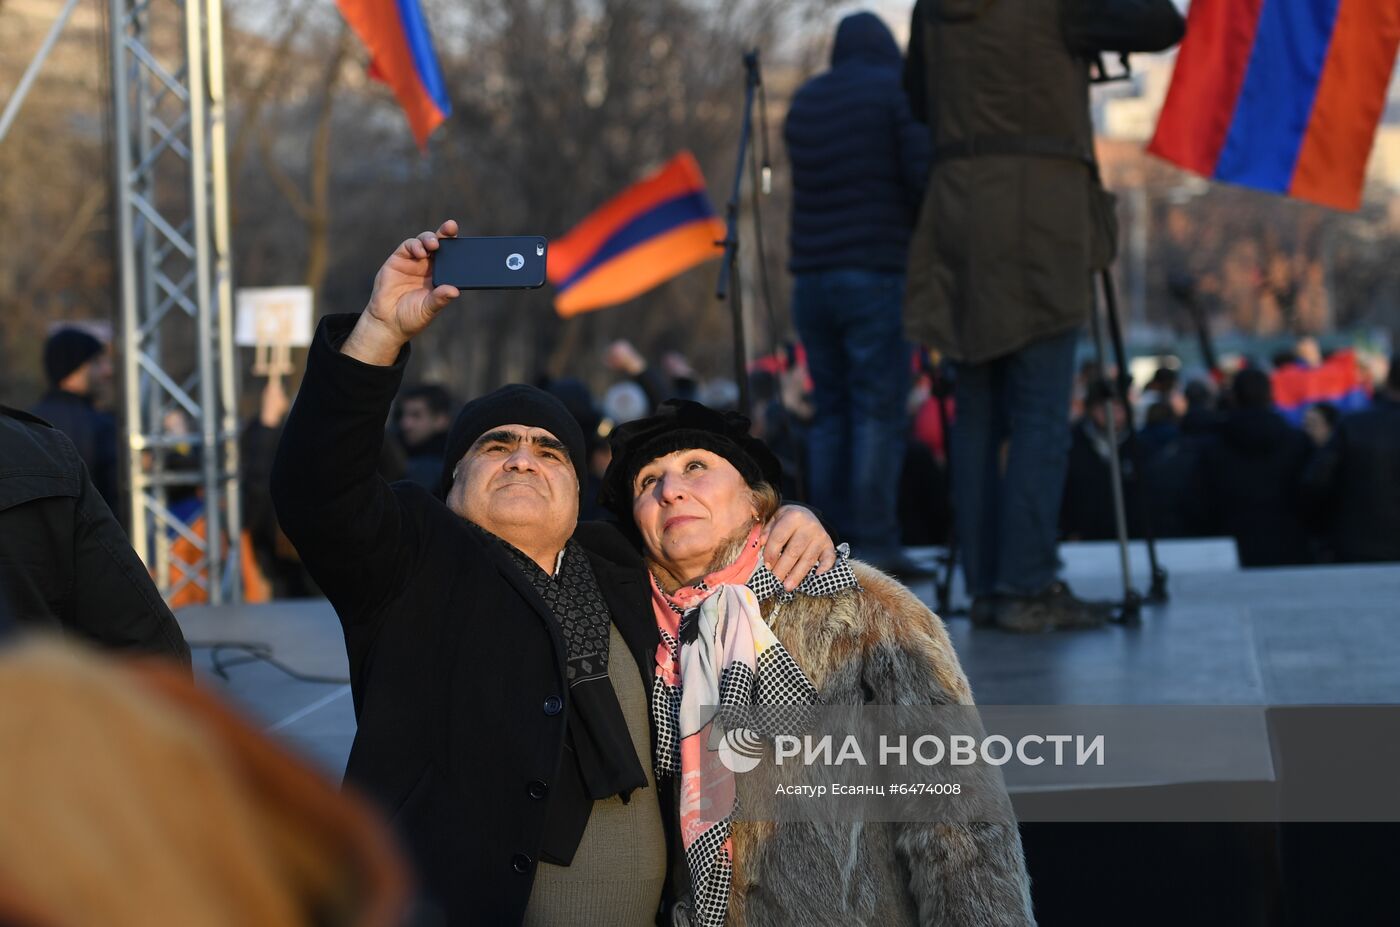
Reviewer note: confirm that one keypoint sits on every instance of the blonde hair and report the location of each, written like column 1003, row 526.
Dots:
column 765, row 501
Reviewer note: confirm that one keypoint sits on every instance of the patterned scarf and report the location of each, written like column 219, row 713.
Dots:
column 717, row 652
column 607, row 762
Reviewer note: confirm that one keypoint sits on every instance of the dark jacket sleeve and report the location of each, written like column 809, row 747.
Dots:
column 114, row 600
column 105, row 467
column 1320, row 479
column 656, row 385
column 351, row 529
column 915, row 81
column 257, row 448
column 915, row 152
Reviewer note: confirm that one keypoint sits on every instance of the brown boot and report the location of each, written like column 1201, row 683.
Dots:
column 1055, row 609
column 984, row 611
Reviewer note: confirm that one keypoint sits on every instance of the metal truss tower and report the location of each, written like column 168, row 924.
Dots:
column 172, row 213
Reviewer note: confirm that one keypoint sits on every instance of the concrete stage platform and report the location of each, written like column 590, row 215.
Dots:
column 1319, row 635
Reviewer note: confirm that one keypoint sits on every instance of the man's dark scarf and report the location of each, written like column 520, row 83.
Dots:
column 607, row 761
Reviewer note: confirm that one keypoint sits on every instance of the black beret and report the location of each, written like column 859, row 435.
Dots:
column 678, row 425
column 514, row 404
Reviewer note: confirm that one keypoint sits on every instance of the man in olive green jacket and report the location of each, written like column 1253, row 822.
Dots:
column 1013, row 225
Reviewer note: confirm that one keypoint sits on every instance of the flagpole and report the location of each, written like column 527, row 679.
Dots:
column 729, row 267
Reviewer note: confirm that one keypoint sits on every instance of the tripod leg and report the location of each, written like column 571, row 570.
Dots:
column 729, row 267
column 943, row 586
column 1158, row 588
column 1130, row 596
column 1198, row 319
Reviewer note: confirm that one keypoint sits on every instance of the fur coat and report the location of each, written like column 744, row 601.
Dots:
column 878, row 645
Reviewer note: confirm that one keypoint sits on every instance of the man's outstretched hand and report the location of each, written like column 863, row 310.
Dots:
column 404, row 301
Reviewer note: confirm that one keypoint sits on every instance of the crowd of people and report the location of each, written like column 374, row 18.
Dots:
column 1213, row 461
column 1212, row 457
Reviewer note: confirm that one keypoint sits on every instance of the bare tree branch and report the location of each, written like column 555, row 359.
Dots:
column 91, row 206
column 255, row 98
column 318, row 219
column 279, row 177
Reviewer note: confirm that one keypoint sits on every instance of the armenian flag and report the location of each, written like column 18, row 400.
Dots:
column 647, row 234
column 1338, row 380
column 401, row 55
column 1281, row 95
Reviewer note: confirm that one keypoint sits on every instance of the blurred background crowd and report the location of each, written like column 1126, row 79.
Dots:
column 1215, row 456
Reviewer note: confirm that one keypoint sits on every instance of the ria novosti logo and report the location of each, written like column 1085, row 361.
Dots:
column 741, row 749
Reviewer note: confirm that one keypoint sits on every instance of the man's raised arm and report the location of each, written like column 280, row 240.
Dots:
column 348, row 525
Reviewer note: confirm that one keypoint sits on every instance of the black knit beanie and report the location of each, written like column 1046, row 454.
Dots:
column 66, row 350
column 515, row 404
column 678, row 425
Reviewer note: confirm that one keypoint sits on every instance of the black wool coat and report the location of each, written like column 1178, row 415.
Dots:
column 65, row 563
column 1356, row 483
column 456, row 664
column 1253, row 471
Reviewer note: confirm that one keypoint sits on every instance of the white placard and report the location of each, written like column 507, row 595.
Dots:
column 275, row 316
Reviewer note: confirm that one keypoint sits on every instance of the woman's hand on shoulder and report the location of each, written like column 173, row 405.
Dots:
column 794, row 543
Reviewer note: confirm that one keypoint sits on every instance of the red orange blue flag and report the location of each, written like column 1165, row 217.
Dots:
column 1338, row 380
column 401, row 55
column 647, row 234
column 1281, row 95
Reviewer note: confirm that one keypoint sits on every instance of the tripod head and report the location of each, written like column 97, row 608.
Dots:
column 754, row 77
column 1099, row 74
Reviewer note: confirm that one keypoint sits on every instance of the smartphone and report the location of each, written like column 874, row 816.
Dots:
column 504, row 263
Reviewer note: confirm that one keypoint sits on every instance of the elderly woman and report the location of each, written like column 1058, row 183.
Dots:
column 698, row 488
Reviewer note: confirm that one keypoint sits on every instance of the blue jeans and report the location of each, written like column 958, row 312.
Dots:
column 1008, row 521
column 851, row 323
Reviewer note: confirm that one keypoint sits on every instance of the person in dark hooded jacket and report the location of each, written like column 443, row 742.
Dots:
column 77, row 369
column 1253, row 473
column 1354, row 481
column 859, row 160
